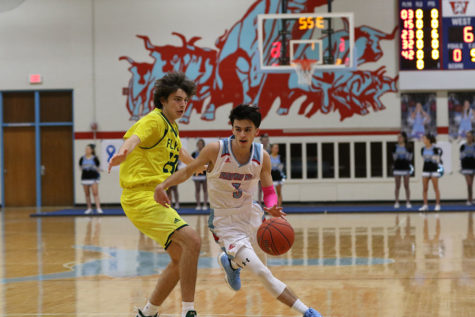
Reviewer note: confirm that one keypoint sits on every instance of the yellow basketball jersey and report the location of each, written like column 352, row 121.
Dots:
column 156, row 157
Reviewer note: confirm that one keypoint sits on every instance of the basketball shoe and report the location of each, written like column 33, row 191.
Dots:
column 232, row 276
column 424, row 208
column 140, row 314
column 191, row 313
column 312, row 313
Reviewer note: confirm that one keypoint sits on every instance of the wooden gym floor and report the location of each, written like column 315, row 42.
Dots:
column 342, row 264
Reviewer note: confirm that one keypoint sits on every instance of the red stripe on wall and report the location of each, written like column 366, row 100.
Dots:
column 442, row 130
column 99, row 135
column 226, row 133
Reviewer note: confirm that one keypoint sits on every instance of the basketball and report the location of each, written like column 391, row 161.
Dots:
column 275, row 236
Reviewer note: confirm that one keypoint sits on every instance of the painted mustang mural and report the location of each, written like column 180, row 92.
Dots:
column 230, row 72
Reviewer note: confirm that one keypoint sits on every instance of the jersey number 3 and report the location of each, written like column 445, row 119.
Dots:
column 170, row 166
column 238, row 192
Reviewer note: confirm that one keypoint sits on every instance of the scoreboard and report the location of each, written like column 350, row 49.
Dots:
column 458, row 22
column 436, row 34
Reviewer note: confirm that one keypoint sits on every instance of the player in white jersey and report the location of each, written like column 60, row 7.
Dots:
column 235, row 166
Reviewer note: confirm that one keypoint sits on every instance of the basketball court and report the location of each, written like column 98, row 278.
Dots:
column 342, row 264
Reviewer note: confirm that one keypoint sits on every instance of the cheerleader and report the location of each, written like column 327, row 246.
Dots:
column 200, row 180
column 467, row 160
column 402, row 157
column 89, row 164
column 432, row 158
column 466, row 121
column 277, row 172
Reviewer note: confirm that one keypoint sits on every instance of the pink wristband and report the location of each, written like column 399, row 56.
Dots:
column 270, row 198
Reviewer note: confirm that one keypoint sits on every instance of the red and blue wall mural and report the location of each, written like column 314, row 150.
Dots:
column 229, row 72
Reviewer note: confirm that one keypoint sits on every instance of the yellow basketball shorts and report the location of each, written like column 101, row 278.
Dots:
column 152, row 219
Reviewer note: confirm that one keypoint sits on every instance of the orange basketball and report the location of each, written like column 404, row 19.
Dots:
column 275, row 236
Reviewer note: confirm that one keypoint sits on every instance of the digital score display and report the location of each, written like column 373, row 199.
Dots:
column 458, row 20
column 306, row 23
column 436, row 34
column 419, row 24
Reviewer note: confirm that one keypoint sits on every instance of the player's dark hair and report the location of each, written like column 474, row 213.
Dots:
column 246, row 112
column 170, row 83
column 93, row 148
column 431, row 138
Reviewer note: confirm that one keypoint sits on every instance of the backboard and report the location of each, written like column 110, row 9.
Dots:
column 327, row 38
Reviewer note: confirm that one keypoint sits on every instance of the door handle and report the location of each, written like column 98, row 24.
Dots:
column 43, row 168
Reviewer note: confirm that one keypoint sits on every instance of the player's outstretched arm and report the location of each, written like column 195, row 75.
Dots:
column 270, row 197
column 128, row 146
column 208, row 154
column 185, row 157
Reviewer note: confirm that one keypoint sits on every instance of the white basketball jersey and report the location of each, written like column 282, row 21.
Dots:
column 230, row 184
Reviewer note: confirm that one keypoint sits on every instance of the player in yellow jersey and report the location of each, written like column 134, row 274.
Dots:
column 148, row 156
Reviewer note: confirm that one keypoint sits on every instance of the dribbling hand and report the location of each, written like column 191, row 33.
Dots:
column 275, row 211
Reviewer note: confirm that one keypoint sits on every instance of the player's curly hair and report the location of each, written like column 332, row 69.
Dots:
column 246, row 112
column 170, row 83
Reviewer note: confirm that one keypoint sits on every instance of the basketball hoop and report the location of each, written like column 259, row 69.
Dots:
column 304, row 69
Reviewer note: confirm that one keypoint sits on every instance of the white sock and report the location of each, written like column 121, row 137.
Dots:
column 299, row 306
column 150, row 309
column 186, row 306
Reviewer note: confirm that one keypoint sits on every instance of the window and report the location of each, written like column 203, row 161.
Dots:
column 295, row 160
column 312, row 160
column 360, row 160
column 344, row 160
column 376, row 159
column 328, row 160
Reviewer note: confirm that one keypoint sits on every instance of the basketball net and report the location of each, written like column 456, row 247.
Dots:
column 304, row 69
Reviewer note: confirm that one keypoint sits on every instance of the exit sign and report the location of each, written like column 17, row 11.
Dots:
column 35, row 79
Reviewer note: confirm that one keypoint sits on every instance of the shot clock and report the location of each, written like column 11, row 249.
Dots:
column 436, row 34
